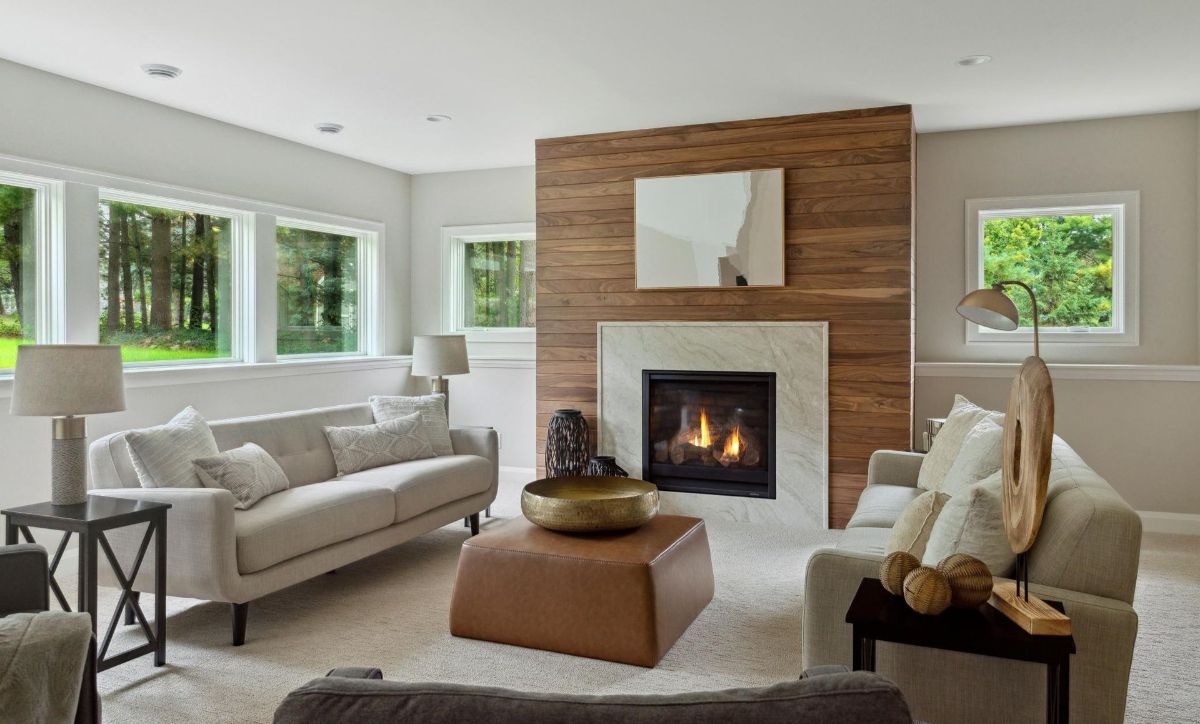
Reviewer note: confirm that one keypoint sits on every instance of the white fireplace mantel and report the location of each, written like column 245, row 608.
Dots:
column 798, row 354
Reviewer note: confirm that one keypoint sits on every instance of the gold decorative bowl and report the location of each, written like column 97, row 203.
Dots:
column 580, row 504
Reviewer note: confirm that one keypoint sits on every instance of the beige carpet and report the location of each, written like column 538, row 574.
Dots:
column 391, row 610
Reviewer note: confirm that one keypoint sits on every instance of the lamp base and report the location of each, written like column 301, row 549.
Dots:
column 68, row 461
column 441, row 386
column 1034, row 615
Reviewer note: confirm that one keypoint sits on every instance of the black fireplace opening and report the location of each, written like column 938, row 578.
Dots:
column 709, row 432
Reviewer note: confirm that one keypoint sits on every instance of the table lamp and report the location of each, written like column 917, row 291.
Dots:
column 438, row 356
column 1028, row 440
column 65, row 382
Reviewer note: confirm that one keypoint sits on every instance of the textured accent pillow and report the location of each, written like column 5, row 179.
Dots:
column 963, row 416
column 979, row 457
column 912, row 528
column 249, row 472
column 972, row 522
column 432, row 409
column 361, row 447
column 162, row 456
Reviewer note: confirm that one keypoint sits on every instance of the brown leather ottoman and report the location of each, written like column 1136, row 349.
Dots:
column 624, row 596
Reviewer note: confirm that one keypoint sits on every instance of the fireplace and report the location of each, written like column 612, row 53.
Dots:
column 709, row 432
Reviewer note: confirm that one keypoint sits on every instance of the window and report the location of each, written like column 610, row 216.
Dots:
column 1078, row 252
column 491, row 282
column 320, row 309
column 166, row 279
column 26, row 229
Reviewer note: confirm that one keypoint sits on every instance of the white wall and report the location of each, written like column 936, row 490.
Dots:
column 498, row 392
column 1140, row 433
column 60, row 121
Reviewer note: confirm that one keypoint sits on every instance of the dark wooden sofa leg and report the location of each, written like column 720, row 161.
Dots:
column 130, row 617
column 239, row 622
column 474, row 523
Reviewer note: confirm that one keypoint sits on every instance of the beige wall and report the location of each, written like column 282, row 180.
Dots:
column 1156, row 155
column 1140, row 434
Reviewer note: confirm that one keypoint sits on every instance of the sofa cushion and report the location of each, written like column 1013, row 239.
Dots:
column 431, row 408
column 299, row 520
column 163, row 455
column 864, row 540
column 979, row 457
column 422, row 485
column 248, row 472
column 912, row 529
column 880, row 505
column 962, row 417
column 972, row 522
column 362, row 447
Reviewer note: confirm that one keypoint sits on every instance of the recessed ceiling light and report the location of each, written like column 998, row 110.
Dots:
column 438, row 118
column 974, row 60
column 330, row 128
column 161, row 70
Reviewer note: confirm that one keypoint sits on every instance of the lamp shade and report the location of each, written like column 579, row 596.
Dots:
column 990, row 308
column 438, row 355
column 55, row 380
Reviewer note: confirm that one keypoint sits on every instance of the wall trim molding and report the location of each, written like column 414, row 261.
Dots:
column 510, row 363
column 1177, row 523
column 207, row 373
column 1139, row 373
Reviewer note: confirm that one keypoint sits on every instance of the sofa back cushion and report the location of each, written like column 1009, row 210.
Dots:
column 296, row 440
column 857, row 696
column 1090, row 538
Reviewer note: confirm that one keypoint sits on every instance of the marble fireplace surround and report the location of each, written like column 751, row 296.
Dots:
column 798, row 354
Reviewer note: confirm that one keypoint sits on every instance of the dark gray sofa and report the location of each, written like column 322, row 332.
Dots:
column 823, row 695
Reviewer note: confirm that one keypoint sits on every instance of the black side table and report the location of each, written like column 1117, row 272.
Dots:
column 89, row 521
column 877, row 615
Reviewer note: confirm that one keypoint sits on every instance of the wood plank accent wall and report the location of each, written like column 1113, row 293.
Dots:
column 849, row 256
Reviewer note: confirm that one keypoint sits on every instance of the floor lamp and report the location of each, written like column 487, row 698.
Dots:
column 1028, row 439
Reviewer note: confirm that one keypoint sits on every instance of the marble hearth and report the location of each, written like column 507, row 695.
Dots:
column 797, row 352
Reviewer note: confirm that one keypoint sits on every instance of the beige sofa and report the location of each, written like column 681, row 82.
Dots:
column 1086, row 556
column 320, row 523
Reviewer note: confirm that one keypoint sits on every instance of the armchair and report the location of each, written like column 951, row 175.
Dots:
column 49, row 657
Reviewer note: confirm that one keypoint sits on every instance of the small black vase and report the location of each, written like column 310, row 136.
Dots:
column 566, row 444
column 605, row 466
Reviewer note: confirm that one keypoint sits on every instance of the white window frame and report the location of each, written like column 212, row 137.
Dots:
column 49, row 250
column 454, row 241
column 367, row 251
column 241, row 264
column 1122, row 205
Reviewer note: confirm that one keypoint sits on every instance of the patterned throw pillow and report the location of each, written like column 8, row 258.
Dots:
column 369, row 446
column 249, row 472
column 912, row 529
column 162, row 456
column 432, row 409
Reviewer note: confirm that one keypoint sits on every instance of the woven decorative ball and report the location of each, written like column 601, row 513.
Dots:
column 894, row 569
column 927, row 591
column 970, row 580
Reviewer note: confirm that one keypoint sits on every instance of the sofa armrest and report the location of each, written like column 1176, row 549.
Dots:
column 355, row 672
column 481, row 441
column 894, row 467
column 26, row 572
column 201, row 541
column 831, row 579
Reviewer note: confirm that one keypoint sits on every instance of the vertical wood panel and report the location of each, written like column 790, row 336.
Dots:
column 849, row 181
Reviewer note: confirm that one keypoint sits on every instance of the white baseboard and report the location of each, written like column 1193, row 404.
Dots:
column 1157, row 522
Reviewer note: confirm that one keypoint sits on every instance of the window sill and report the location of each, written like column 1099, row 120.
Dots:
column 194, row 374
column 1139, row 373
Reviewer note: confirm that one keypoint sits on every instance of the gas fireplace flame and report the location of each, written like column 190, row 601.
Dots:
column 703, row 439
column 733, row 444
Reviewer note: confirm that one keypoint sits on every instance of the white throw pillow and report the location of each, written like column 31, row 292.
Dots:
column 162, row 456
column 963, row 416
column 972, row 522
column 361, row 447
column 911, row 530
column 979, row 457
column 249, row 472
column 433, row 416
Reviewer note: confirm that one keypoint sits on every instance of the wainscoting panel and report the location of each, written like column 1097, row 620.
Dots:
column 849, row 261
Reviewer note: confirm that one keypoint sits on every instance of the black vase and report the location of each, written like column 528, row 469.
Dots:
column 605, row 466
column 566, row 444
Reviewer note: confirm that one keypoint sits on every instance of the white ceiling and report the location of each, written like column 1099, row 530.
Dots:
column 511, row 71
